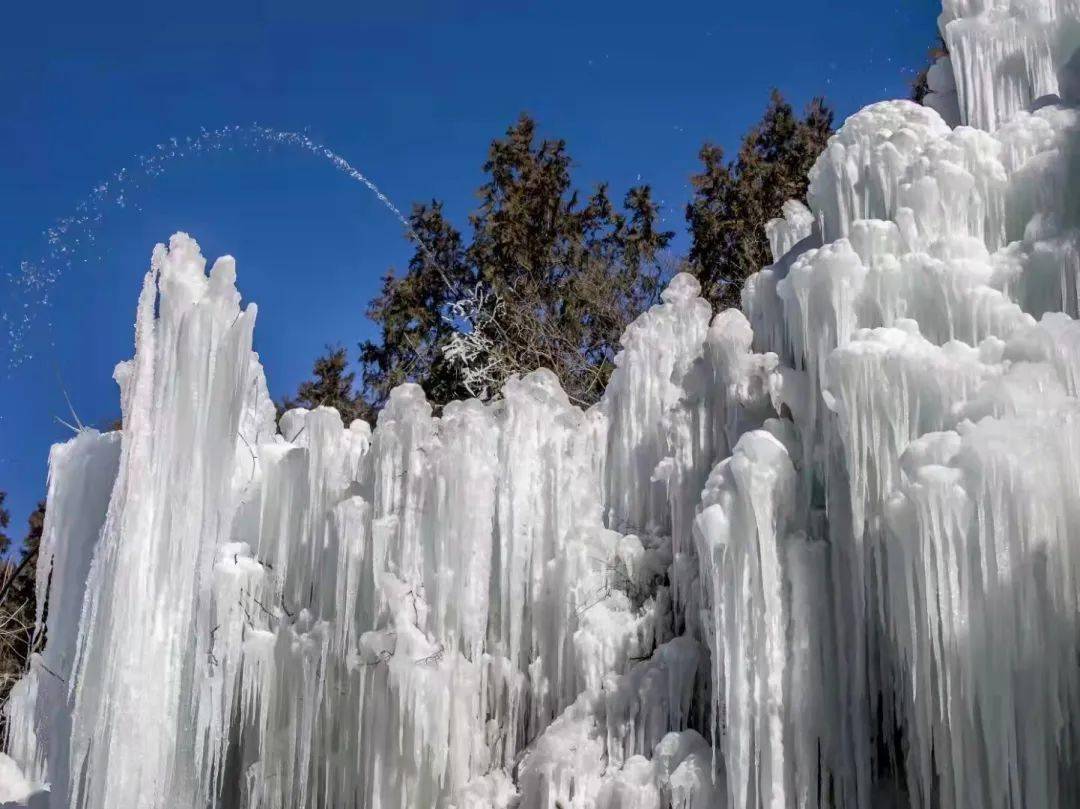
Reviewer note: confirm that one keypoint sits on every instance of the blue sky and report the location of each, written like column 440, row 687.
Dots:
column 410, row 92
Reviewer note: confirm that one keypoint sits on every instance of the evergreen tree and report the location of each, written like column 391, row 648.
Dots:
column 18, row 605
column 333, row 386
column 552, row 277
column 568, row 276
column 733, row 201
column 5, row 520
column 546, row 281
column 413, row 314
column 24, row 583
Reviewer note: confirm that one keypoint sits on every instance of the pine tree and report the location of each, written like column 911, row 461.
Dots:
column 547, row 281
column 733, row 201
column 25, row 581
column 333, row 385
column 413, row 314
column 18, row 604
column 569, row 276
column 5, row 520
column 551, row 278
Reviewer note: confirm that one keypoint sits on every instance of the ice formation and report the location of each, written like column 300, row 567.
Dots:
column 820, row 552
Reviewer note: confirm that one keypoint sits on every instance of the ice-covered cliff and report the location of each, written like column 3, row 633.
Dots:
column 822, row 552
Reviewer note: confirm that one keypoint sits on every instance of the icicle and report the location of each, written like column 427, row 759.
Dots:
column 818, row 553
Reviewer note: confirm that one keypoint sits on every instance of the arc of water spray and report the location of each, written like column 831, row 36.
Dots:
column 65, row 238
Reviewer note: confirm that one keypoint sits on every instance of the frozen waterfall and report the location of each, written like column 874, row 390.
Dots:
column 822, row 552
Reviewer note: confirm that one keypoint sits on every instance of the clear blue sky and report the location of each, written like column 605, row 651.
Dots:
column 411, row 93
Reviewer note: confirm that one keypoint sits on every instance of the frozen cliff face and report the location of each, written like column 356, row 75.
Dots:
column 820, row 552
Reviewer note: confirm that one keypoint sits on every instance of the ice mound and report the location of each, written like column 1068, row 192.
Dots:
column 820, row 552
column 16, row 790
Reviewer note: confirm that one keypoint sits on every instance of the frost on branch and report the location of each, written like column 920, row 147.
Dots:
column 473, row 345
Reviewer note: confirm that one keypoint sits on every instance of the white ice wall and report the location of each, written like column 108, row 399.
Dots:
column 821, row 552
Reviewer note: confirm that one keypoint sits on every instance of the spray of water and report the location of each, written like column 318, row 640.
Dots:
column 69, row 240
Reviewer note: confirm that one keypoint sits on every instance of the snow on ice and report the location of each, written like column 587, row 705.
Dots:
column 820, row 552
